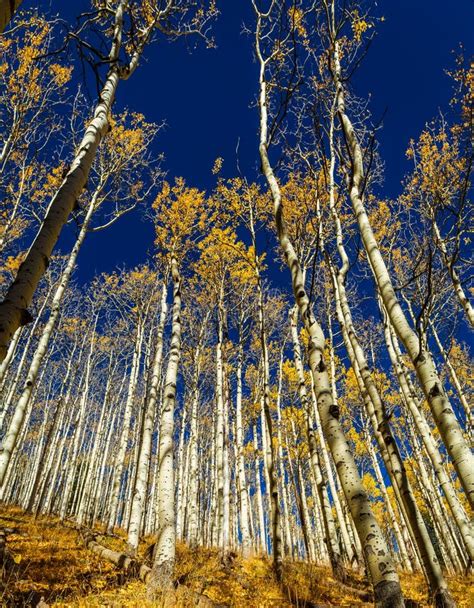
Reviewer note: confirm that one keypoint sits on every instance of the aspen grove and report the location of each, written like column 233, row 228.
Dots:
column 286, row 374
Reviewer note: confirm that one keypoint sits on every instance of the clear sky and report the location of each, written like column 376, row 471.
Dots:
column 205, row 97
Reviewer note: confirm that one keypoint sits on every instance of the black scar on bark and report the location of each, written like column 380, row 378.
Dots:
column 435, row 391
column 25, row 317
column 420, row 358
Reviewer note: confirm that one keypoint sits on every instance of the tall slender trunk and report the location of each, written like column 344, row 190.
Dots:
column 165, row 549
column 281, row 462
column 454, row 379
column 139, row 492
column 385, row 580
column 82, row 513
column 42, row 347
column 51, row 436
column 241, row 478
column 259, row 494
column 4, row 366
column 21, row 365
column 14, row 308
column 193, row 525
column 331, row 536
column 441, row 409
column 388, row 446
column 449, row 262
column 127, row 416
column 424, row 431
column 180, row 475
column 220, row 425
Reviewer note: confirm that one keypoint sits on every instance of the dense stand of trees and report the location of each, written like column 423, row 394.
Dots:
column 289, row 374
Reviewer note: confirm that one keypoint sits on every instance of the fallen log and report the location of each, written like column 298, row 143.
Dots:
column 129, row 565
column 133, row 568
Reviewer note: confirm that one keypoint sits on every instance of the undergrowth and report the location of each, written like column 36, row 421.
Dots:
column 50, row 563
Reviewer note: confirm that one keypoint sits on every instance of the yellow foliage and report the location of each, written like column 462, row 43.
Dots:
column 55, row 564
column 370, row 486
column 181, row 215
column 359, row 26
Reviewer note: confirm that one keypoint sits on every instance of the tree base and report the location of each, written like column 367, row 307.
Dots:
column 388, row 594
column 338, row 570
column 160, row 581
column 443, row 599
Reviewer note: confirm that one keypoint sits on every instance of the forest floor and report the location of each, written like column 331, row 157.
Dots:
column 49, row 565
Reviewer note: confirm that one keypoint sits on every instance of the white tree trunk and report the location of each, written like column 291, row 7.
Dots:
column 164, row 558
column 139, row 494
column 382, row 570
column 42, row 347
column 443, row 413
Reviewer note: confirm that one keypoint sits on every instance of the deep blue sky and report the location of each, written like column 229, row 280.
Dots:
column 205, row 97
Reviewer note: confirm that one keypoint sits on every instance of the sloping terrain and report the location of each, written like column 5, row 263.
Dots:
column 48, row 564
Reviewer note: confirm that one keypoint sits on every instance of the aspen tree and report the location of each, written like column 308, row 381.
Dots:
column 281, row 464
column 179, row 221
column 405, row 560
column 33, row 94
column 245, row 202
column 454, row 378
column 21, row 363
column 241, row 476
column 56, row 422
column 139, row 492
column 384, row 577
column 122, row 157
column 178, row 216
column 193, row 490
column 10, row 355
column 335, row 556
column 132, row 293
column 77, row 428
column 164, row 555
column 425, row 433
column 422, row 359
column 10, row 395
column 376, row 408
column 176, row 18
column 437, row 190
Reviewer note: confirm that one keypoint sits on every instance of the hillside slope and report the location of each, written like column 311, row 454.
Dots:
column 48, row 562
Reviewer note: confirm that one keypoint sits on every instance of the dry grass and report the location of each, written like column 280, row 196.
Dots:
column 53, row 563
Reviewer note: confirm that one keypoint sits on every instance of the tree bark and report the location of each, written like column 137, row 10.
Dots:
column 165, row 549
column 385, row 580
column 7, row 10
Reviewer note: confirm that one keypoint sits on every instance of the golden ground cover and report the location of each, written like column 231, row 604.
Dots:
column 50, row 561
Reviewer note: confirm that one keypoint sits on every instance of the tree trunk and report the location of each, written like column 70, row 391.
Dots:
column 385, row 580
column 7, row 10
column 161, row 575
column 139, row 493
column 41, row 349
column 443, row 413
column 14, row 308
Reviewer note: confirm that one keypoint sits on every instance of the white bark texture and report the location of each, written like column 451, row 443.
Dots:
column 144, row 455
column 443, row 413
column 41, row 349
column 380, row 564
column 165, row 549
